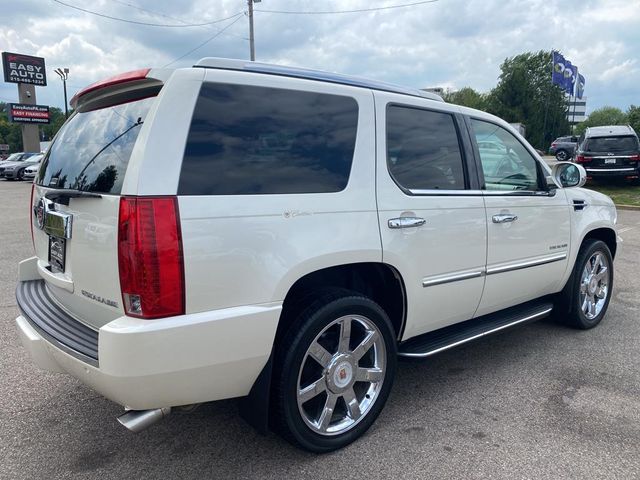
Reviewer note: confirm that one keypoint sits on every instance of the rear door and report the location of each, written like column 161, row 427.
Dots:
column 76, row 202
column 431, row 212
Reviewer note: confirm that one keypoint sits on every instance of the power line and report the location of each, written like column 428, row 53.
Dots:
column 238, row 17
column 149, row 24
column 160, row 14
column 359, row 10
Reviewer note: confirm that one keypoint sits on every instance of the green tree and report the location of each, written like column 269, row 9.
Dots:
column 633, row 117
column 467, row 97
column 10, row 133
column 603, row 116
column 56, row 119
column 525, row 94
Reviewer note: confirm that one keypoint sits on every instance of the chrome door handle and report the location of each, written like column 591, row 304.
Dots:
column 504, row 218
column 406, row 222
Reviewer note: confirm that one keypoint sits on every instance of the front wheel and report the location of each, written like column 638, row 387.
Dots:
column 334, row 372
column 587, row 301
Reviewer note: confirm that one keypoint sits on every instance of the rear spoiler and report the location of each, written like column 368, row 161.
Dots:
column 122, row 88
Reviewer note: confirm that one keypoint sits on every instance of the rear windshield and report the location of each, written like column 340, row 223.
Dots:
column 612, row 144
column 91, row 151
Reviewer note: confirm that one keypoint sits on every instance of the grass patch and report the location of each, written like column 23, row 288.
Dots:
column 622, row 193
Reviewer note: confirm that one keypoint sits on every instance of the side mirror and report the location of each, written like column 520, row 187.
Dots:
column 567, row 174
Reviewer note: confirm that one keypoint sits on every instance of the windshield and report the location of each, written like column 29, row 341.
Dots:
column 13, row 157
column 91, row 151
column 612, row 144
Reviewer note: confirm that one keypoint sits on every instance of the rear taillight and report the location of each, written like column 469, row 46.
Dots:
column 553, row 145
column 150, row 257
column 33, row 187
column 635, row 158
column 582, row 159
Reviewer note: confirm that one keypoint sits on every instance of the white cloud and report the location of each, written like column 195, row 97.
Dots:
column 452, row 43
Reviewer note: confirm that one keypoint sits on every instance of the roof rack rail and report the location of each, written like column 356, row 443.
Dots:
column 272, row 69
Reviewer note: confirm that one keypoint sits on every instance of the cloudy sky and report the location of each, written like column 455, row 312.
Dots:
column 449, row 43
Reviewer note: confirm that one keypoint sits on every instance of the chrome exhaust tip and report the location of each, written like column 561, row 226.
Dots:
column 139, row 420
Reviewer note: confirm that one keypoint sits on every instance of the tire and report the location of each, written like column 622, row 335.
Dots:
column 562, row 155
column 320, row 405
column 20, row 174
column 584, row 302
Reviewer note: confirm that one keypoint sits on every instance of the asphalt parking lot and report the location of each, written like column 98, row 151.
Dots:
column 541, row 401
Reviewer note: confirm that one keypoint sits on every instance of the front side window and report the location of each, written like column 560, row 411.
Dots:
column 506, row 163
column 247, row 140
column 423, row 151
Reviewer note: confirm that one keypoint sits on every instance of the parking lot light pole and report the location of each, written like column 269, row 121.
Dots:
column 63, row 73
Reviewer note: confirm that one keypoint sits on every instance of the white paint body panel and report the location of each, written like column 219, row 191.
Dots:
column 542, row 230
column 246, row 249
column 452, row 240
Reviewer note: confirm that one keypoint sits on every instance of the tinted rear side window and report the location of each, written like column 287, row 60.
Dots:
column 256, row 140
column 423, row 151
column 91, row 151
column 612, row 144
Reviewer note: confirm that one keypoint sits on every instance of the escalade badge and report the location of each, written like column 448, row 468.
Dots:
column 39, row 212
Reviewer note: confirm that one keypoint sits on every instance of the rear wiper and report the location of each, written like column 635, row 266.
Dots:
column 63, row 195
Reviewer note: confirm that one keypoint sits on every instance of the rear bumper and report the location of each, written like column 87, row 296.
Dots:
column 143, row 364
column 611, row 172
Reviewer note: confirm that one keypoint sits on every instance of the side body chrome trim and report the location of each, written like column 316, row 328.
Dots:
column 454, row 277
column 468, row 274
column 478, row 193
column 479, row 335
column 526, row 264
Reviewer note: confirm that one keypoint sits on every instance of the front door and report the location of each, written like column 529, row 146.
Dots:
column 528, row 225
column 431, row 213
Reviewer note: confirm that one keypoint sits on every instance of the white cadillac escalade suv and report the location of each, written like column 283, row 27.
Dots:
column 239, row 229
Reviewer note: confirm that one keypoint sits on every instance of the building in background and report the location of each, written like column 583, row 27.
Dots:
column 577, row 109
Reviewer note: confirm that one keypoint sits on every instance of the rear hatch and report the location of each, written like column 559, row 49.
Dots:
column 76, row 198
column 612, row 152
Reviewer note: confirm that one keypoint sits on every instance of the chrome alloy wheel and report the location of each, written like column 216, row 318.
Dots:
column 594, row 285
column 341, row 375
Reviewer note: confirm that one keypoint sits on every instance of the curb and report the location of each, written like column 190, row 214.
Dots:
column 628, row 207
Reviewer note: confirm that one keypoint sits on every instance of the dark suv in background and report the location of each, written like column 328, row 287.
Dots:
column 563, row 148
column 610, row 151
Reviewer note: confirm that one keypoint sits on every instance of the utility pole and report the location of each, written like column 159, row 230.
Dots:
column 252, row 47
column 63, row 73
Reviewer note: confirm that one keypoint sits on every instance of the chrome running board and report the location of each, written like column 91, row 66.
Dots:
column 452, row 336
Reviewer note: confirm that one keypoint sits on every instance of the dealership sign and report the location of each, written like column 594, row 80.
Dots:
column 24, row 69
column 23, row 113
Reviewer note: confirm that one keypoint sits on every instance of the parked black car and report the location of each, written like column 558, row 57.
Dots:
column 564, row 148
column 610, row 151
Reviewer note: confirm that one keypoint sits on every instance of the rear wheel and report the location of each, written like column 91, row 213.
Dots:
column 334, row 371
column 585, row 304
column 562, row 155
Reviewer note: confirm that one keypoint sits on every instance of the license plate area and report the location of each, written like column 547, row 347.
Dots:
column 57, row 254
column 610, row 161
